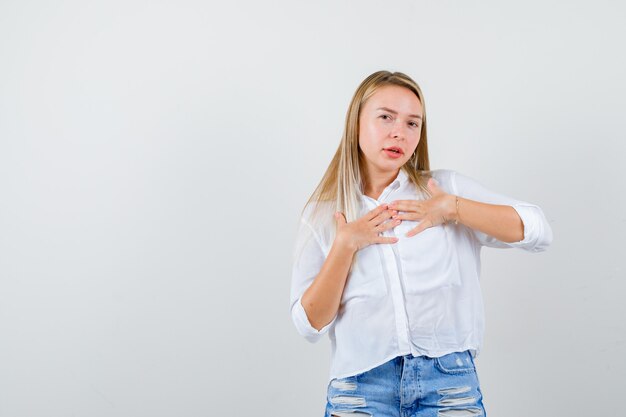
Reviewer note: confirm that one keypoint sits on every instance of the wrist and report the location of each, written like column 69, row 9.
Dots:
column 343, row 243
column 453, row 212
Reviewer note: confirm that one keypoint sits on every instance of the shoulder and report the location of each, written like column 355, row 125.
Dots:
column 443, row 173
column 318, row 217
column 317, row 221
column 445, row 178
column 315, row 210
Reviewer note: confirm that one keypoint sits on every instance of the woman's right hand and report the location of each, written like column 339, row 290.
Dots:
column 365, row 230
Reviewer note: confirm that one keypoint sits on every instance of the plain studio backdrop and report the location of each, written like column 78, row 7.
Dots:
column 155, row 156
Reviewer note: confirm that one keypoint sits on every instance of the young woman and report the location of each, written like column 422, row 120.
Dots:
column 387, row 262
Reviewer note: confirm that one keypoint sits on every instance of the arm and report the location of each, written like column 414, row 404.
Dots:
column 321, row 279
column 317, row 283
column 497, row 220
column 500, row 221
column 322, row 298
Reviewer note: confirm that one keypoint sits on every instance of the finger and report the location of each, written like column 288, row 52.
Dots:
column 433, row 185
column 382, row 239
column 387, row 214
column 340, row 218
column 407, row 215
column 404, row 205
column 424, row 224
column 375, row 212
column 386, row 226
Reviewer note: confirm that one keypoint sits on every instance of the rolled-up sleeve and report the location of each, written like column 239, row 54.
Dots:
column 308, row 258
column 537, row 231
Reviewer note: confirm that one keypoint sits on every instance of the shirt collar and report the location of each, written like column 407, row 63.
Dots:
column 398, row 182
column 400, row 179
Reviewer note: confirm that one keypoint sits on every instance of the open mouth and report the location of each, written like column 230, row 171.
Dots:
column 394, row 150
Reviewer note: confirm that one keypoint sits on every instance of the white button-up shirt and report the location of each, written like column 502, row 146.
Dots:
column 420, row 295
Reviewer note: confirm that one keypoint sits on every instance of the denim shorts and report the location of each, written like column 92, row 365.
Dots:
column 410, row 386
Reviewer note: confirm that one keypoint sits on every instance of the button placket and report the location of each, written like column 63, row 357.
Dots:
column 388, row 253
column 384, row 198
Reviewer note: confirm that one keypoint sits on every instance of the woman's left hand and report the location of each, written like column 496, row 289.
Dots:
column 431, row 212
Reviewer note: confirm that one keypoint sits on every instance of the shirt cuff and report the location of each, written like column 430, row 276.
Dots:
column 537, row 235
column 303, row 325
column 528, row 219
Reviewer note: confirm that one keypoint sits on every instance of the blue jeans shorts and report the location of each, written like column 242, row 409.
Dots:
column 410, row 386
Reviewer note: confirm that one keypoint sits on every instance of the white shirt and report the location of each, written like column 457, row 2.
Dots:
column 420, row 295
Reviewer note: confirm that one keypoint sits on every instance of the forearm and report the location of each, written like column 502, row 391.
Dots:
column 499, row 221
column 323, row 297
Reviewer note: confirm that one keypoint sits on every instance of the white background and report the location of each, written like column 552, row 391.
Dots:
column 155, row 155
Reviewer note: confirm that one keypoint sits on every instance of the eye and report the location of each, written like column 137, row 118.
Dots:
column 414, row 124
column 385, row 115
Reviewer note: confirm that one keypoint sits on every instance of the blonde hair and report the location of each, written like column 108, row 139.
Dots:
column 342, row 185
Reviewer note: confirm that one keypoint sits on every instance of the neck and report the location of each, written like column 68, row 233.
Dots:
column 377, row 181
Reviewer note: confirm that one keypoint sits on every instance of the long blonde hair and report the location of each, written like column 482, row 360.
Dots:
column 342, row 185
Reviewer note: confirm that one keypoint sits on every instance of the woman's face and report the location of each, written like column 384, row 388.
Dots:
column 390, row 124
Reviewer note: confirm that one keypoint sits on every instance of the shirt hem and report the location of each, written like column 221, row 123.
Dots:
column 475, row 349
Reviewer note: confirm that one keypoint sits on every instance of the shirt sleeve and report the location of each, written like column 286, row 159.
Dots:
column 308, row 258
column 537, row 231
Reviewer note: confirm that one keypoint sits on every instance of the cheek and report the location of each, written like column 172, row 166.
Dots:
column 366, row 147
column 372, row 129
column 415, row 141
column 367, row 142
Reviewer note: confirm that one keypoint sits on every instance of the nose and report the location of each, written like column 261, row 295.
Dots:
column 397, row 131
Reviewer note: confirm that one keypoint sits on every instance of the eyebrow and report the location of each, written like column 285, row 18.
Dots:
column 417, row 116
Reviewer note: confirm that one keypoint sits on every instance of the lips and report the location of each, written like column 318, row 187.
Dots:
column 394, row 149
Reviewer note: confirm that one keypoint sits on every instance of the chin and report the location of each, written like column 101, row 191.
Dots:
column 397, row 162
column 393, row 166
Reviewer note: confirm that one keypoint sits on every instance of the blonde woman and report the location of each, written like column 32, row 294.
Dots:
column 387, row 262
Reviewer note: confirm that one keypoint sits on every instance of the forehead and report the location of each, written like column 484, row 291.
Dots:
column 394, row 97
